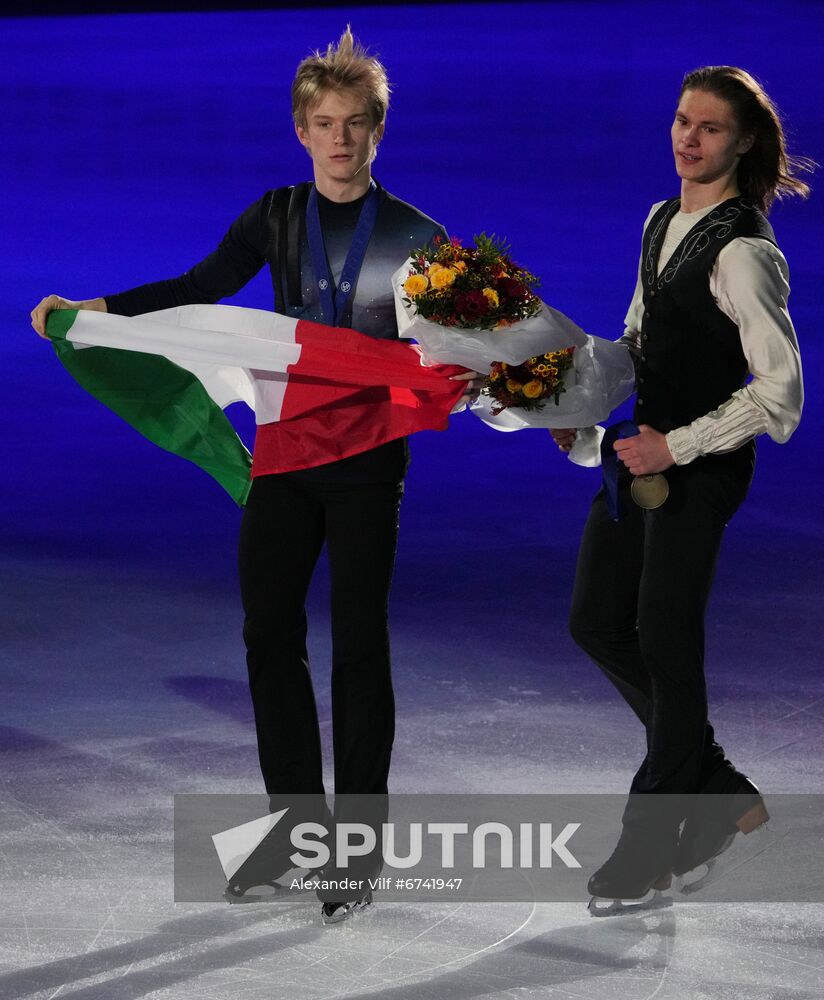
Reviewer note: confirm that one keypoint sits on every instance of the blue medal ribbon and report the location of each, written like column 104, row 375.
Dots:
column 333, row 300
column 610, row 463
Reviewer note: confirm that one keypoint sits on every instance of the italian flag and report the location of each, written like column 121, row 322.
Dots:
column 319, row 393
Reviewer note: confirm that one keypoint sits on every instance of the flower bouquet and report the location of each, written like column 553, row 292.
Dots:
column 473, row 306
column 529, row 384
column 476, row 287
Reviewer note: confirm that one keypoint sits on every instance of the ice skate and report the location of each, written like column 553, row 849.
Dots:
column 634, row 876
column 710, row 830
column 267, row 873
column 336, row 913
column 262, row 889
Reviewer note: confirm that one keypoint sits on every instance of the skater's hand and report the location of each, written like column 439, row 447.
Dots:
column 476, row 383
column 646, row 452
column 564, row 437
column 41, row 311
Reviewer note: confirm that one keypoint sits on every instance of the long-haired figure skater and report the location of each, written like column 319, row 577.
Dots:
column 717, row 364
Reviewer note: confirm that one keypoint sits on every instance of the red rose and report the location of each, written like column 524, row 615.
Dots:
column 520, row 373
column 472, row 304
column 511, row 288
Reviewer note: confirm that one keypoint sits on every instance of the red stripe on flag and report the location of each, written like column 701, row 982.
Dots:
column 349, row 393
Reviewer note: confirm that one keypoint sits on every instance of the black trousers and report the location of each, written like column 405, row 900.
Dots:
column 638, row 607
column 285, row 524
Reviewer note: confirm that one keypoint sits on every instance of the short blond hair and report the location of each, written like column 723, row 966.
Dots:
column 349, row 66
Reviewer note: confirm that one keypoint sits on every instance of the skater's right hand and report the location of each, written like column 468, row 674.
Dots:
column 474, row 384
column 41, row 311
column 564, row 437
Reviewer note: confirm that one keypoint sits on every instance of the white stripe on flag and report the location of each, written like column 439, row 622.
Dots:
column 238, row 354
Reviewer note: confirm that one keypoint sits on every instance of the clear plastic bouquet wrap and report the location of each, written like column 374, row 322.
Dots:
column 473, row 306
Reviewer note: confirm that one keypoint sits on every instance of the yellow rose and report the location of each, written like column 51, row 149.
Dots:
column 491, row 297
column 442, row 277
column 415, row 285
column 460, row 266
column 533, row 389
column 512, row 385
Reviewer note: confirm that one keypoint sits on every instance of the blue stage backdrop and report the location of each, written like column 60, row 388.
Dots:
column 131, row 142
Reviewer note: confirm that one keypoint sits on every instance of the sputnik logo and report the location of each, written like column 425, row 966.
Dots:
column 234, row 847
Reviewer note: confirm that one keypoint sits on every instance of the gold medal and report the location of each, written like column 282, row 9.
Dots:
column 649, row 492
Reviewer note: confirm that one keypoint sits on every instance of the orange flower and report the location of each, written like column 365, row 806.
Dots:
column 513, row 386
column 533, row 389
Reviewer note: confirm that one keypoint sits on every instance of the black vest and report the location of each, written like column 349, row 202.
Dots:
column 691, row 358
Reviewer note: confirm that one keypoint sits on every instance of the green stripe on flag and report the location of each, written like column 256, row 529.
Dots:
column 162, row 401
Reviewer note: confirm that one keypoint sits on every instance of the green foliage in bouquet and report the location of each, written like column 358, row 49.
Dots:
column 478, row 287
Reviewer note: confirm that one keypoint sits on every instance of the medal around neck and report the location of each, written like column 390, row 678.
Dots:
column 333, row 300
column 650, row 491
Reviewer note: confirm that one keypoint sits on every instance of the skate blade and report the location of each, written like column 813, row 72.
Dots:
column 347, row 912
column 654, row 900
column 264, row 892
column 695, row 880
column 258, row 894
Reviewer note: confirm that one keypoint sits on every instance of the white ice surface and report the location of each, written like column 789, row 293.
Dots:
column 129, row 715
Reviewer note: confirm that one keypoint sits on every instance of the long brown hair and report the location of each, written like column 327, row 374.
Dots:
column 767, row 171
